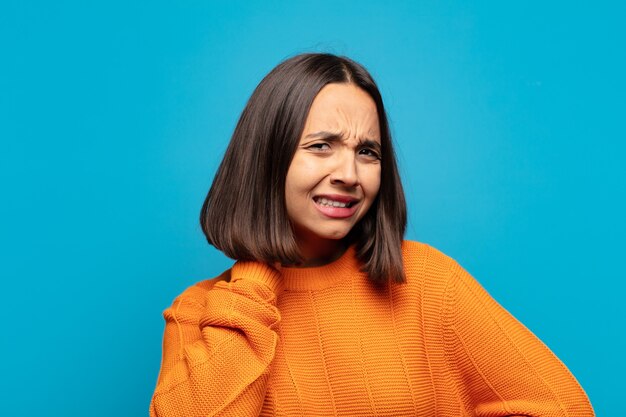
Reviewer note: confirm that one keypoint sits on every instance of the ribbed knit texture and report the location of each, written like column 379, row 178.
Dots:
column 326, row 342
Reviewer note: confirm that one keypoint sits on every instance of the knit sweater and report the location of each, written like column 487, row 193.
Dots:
column 325, row 341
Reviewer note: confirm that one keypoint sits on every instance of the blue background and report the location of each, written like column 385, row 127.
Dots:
column 509, row 123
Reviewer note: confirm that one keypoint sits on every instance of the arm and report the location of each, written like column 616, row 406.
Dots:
column 218, row 346
column 505, row 369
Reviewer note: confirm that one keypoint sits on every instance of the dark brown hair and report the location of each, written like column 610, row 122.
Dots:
column 245, row 216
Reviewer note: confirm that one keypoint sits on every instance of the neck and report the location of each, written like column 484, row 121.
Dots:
column 321, row 253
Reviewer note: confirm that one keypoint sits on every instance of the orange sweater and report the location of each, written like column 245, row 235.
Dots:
column 325, row 342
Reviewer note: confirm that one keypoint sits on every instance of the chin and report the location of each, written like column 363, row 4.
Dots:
column 335, row 235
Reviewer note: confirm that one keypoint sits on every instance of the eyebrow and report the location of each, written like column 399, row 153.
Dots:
column 338, row 137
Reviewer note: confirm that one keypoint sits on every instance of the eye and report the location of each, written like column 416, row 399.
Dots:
column 369, row 153
column 319, row 147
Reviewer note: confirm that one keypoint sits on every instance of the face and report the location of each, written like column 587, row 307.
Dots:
column 334, row 176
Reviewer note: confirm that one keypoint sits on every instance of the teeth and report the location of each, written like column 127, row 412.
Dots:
column 330, row 203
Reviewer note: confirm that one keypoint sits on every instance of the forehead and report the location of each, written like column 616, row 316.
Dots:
column 343, row 108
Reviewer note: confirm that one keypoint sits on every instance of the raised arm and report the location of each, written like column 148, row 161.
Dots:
column 218, row 346
column 505, row 369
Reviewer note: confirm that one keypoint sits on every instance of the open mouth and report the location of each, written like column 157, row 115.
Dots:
column 327, row 202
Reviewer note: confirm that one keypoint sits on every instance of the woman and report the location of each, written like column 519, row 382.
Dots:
column 326, row 310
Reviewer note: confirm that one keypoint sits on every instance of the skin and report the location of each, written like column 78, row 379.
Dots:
column 344, row 164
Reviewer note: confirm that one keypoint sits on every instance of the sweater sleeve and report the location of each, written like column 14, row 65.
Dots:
column 218, row 346
column 504, row 369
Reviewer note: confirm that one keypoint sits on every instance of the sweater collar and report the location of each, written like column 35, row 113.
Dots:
column 320, row 277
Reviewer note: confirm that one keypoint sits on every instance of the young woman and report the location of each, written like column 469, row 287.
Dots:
column 327, row 311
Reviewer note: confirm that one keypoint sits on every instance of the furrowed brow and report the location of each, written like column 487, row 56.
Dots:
column 323, row 134
column 338, row 136
column 370, row 143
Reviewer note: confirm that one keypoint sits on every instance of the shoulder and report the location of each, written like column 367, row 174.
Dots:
column 416, row 254
column 434, row 269
column 198, row 291
column 423, row 262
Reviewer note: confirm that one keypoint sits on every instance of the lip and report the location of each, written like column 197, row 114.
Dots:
column 338, row 197
column 337, row 212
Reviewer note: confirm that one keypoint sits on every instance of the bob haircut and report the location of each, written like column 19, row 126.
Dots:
column 244, row 214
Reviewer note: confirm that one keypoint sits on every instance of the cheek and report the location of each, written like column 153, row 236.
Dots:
column 291, row 192
column 371, row 182
column 302, row 175
column 297, row 183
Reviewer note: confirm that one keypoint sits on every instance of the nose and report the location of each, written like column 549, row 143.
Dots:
column 345, row 171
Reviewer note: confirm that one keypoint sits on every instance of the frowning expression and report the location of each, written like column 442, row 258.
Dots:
column 334, row 176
